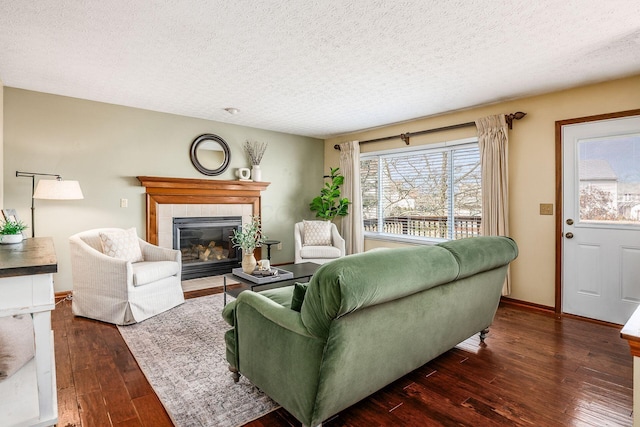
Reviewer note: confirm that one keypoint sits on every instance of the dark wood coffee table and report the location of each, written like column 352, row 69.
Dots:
column 301, row 272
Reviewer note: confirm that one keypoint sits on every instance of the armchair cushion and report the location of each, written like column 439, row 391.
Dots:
column 320, row 252
column 121, row 244
column 148, row 272
column 317, row 233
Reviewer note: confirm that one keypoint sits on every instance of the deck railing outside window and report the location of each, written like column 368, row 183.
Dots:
column 427, row 226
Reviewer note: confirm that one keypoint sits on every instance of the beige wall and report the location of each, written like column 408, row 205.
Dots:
column 1, row 143
column 106, row 146
column 531, row 167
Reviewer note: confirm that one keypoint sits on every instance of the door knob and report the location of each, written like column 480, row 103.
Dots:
column 569, row 235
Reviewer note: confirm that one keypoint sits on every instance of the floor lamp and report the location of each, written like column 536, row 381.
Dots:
column 51, row 189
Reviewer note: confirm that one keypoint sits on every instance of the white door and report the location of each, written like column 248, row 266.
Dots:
column 601, row 218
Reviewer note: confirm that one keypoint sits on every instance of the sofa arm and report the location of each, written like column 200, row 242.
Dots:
column 156, row 253
column 277, row 354
column 270, row 311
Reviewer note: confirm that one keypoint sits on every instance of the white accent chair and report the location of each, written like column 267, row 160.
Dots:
column 117, row 291
column 317, row 254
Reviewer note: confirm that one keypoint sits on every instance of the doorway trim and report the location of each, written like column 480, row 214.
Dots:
column 559, row 194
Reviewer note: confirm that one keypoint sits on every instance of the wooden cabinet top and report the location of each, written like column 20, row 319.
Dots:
column 36, row 255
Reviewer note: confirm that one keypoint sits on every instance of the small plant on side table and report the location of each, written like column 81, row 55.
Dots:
column 11, row 231
column 248, row 238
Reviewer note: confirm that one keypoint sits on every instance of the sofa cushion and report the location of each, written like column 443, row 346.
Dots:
column 299, row 290
column 151, row 271
column 319, row 252
column 121, row 244
column 475, row 255
column 317, row 233
column 361, row 280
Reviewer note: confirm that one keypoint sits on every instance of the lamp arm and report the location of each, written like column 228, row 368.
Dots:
column 33, row 175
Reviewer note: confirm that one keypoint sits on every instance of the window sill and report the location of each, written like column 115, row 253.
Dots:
column 413, row 240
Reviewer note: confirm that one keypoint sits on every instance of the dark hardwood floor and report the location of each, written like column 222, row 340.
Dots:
column 533, row 371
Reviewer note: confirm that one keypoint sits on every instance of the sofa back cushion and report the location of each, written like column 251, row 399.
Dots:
column 371, row 278
column 375, row 277
column 478, row 254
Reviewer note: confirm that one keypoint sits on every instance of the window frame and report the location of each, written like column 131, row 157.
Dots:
column 402, row 152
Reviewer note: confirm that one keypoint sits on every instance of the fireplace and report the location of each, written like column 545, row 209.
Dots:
column 169, row 198
column 205, row 244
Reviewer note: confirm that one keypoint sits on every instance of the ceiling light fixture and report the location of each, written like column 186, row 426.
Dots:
column 232, row 110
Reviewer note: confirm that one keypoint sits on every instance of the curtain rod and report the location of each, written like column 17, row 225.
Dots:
column 405, row 136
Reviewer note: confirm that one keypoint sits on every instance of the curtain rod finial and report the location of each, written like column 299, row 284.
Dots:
column 514, row 116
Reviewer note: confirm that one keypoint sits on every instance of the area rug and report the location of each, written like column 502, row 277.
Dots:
column 182, row 354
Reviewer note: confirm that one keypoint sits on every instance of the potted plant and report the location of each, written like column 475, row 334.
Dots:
column 11, row 231
column 248, row 238
column 328, row 204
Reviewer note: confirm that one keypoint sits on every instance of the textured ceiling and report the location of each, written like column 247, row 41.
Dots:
column 314, row 67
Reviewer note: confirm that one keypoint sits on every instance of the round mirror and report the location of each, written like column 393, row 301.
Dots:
column 210, row 154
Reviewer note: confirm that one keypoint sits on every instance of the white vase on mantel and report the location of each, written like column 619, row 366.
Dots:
column 256, row 173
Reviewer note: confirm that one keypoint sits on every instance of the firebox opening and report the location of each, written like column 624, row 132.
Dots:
column 205, row 244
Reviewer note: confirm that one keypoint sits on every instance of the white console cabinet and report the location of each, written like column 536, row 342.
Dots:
column 29, row 398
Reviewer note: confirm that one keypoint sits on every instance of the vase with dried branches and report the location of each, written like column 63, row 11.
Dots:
column 255, row 150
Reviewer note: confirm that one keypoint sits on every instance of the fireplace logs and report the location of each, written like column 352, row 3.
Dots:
column 200, row 252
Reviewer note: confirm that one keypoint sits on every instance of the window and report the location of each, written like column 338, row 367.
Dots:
column 427, row 193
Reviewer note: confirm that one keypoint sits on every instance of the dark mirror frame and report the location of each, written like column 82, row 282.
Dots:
column 225, row 148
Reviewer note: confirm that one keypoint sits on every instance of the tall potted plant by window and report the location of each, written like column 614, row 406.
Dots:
column 329, row 205
column 248, row 238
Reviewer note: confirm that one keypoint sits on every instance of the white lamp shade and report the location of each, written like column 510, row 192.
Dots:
column 53, row 189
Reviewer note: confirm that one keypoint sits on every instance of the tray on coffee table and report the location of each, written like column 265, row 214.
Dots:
column 281, row 275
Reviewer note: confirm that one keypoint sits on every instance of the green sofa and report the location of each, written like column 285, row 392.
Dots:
column 365, row 320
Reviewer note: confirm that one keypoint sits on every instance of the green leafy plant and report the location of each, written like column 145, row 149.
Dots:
column 12, row 227
column 249, row 236
column 328, row 204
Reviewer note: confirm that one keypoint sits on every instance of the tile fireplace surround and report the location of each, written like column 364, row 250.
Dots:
column 185, row 197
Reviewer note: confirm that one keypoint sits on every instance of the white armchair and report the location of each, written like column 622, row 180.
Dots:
column 118, row 291
column 318, row 254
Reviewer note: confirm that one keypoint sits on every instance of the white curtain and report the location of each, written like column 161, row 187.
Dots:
column 493, row 142
column 351, row 226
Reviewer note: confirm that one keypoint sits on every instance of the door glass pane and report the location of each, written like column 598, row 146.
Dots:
column 609, row 175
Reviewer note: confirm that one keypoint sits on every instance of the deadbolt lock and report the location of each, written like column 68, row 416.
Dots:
column 569, row 221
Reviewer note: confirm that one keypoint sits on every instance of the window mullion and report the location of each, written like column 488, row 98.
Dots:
column 380, row 196
column 451, row 208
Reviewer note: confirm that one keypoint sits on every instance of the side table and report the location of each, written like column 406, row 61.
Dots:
column 268, row 243
column 29, row 397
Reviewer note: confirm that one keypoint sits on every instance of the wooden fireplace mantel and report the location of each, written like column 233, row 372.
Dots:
column 161, row 190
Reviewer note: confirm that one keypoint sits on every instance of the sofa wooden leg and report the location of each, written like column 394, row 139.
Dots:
column 235, row 374
column 483, row 334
